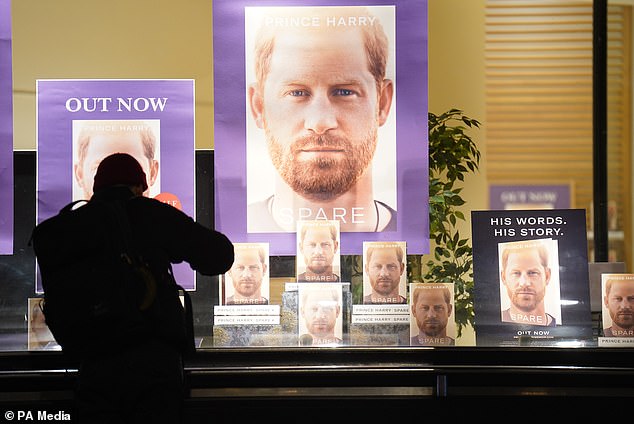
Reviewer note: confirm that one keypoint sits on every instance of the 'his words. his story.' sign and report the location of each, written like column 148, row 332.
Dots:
column 531, row 281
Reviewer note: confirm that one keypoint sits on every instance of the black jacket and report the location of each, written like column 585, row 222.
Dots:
column 171, row 234
column 160, row 232
column 79, row 266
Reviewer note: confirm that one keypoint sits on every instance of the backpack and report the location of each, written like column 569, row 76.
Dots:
column 102, row 297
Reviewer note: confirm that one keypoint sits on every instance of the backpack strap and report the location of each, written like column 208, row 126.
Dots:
column 128, row 252
column 123, row 230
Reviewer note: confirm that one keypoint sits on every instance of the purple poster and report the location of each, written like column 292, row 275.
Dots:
column 71, row 113
column 321, row 113
column 6, row 131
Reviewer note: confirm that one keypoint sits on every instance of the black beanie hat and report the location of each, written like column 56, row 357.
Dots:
column 119, row 169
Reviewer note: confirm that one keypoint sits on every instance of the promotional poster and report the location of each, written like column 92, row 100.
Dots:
column 305, row 143
column 79, row 122
column 6, row 131
column 530, row 270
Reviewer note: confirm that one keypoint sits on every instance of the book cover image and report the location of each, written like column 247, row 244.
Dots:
column 432, row 320
column 247, row 282
column 318, row 257
column 320, row 314
column 531, row 281
column 384, row 272
column 93, row 140
column 39, row 335
column 618, row 305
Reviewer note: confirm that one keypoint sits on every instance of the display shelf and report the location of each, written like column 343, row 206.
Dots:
column 243, row 383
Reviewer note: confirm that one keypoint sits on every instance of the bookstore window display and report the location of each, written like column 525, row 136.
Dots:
column 316, row 308
column 340, row 321
column 277, row 324
column 288, row 322
column 368, row 325
column 532, row 277
column 343, row 272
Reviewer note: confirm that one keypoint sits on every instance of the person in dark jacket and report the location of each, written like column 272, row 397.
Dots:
column 142, row 381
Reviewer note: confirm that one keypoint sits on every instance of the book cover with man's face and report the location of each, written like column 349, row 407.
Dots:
column 277, row 176
column 318, row 258
column 618, row 305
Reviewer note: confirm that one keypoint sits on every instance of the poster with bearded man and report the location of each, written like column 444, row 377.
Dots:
column 320, row 127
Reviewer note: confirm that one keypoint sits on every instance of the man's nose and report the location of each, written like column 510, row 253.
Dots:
column 320, row 115
column 524, row 280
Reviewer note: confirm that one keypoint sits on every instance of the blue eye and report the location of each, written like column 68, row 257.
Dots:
column 343, row 92
column 298, row 93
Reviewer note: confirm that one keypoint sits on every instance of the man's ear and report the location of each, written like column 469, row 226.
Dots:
column 79, row 175
column 385, row 100
column 256, row 104
column 154, row 170
column 548, row 274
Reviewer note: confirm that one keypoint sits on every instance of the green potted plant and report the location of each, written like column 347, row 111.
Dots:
column 452, row 155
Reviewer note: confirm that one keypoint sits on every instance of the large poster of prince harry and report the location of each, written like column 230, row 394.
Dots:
column 318, row 134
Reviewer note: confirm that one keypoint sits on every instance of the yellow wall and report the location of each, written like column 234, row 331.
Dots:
column 110, row 39
column 456, row 78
